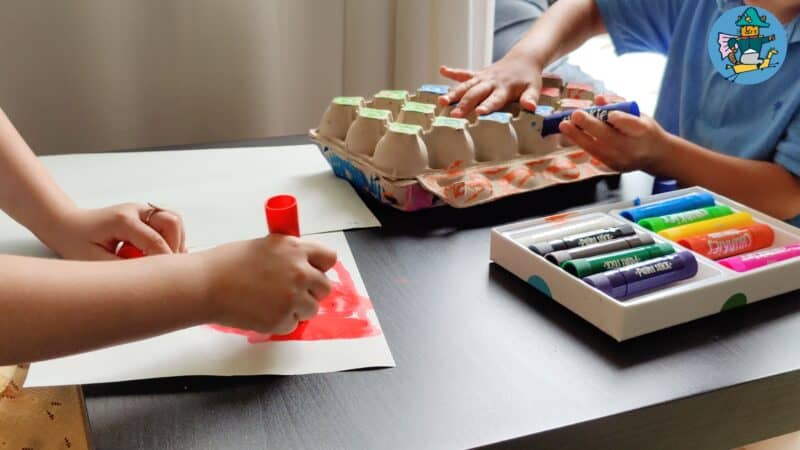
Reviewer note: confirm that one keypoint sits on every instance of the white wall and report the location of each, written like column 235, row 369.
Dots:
column 87, row 75
column 91, row 75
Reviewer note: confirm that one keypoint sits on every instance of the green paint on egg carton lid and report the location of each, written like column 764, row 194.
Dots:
column 424, row 108
column 393, row 95
column 405, row 128
column 452, row 122
column 372, row 113
column 348, row 101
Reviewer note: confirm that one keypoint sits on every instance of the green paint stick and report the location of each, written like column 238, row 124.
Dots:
column 675, row 220
column 583, row 267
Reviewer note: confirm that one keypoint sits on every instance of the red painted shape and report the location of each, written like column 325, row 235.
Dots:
column 342, row 315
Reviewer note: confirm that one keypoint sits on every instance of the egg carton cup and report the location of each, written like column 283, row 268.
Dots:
column 406, row 151
column 713, row 289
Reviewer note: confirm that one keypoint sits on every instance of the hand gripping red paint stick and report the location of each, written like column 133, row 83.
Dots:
column 282, row 218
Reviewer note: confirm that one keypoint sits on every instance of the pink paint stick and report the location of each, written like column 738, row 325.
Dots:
column 750, row 261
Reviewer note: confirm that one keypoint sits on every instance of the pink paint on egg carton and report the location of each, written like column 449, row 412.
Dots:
column 573, row 103
column 403, row 151
column 550, row 96
column 580, row 91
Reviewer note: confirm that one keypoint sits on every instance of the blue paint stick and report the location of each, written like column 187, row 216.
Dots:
column 674, row 205
column 661, row 185
column 550, row 123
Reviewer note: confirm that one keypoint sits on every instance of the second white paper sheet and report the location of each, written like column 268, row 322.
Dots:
column 220, row 193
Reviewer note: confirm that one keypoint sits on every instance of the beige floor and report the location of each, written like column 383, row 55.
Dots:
column 786, row 442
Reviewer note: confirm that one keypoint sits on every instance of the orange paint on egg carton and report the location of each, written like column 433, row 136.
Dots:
column 407, row 152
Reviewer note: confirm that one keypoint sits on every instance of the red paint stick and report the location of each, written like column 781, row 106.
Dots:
column 128, row 251
column 281, row 212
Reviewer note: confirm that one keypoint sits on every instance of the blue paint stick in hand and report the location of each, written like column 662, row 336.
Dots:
column 550, row 123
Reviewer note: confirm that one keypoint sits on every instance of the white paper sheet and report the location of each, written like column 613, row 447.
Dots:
column 204, row 351
column 220, row 193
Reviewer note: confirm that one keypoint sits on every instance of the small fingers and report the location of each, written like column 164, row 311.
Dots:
column 627, row 124
column 529, row 98
column 582, row 140
column 286, row 325
column 593, row 126
column 306, row 308
column 497, row 100
column 472, row 98
column 457, row 92
column 170, row 226
column 319, row 286
column 319, row 256
column 146, row 239
column 455, row 74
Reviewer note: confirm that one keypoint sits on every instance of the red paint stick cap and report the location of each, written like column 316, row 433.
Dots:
column 281, row 211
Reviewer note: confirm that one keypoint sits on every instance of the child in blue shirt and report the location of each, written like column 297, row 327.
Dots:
column 742, row 141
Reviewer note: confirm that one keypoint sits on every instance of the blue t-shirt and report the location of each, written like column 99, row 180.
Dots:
column 759, row 122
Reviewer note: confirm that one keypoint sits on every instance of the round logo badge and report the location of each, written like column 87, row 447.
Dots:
column 747, row 45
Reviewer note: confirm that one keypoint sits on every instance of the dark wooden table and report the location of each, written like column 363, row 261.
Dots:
column 484, row 359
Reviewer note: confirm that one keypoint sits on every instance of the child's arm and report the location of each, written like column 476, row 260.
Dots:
column 50, row 308
column 30, row 195
column 639, row 143
column 518, row 75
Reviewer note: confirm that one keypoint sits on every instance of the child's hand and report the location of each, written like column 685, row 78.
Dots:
column 492, row 87
column 267, row 285
column 630, row 143
column 93, row 234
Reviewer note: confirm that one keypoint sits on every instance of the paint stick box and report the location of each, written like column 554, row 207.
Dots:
column 406, row 151
column 709, row 288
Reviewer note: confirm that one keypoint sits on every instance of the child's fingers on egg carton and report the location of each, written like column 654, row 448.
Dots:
column 496, row 100
column 456, row 74
column 472, row 97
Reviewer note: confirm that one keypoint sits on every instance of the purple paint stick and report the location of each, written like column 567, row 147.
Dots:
column 645, row 276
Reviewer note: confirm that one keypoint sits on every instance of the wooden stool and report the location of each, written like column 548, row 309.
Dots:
column 40, row 418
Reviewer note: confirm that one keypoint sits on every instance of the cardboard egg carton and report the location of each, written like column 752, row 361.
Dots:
column 406, row 151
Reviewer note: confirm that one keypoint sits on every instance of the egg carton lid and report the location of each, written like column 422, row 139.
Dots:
column 461, row 187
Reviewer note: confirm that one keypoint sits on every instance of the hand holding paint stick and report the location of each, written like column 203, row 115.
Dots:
column 283, row 218
column 550, row 123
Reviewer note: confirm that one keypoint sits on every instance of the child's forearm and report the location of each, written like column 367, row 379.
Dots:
column 562, row 28
column 762, row 185
column 27, row 191
column 50, row 308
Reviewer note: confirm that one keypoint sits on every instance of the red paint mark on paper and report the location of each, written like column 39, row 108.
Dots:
column 342, row 315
